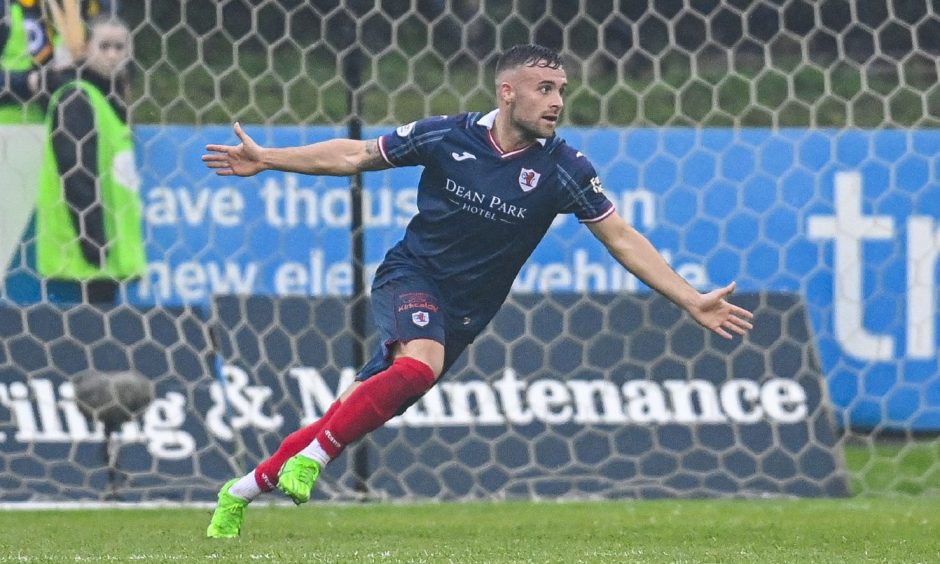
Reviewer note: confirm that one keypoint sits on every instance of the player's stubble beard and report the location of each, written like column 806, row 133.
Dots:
column 530, row 129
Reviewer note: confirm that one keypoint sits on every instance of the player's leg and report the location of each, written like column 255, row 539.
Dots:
column 366, row 406
column 409, row 317
column 236, row 494
column 265, row 475
column 411, row 358
column 414, row 369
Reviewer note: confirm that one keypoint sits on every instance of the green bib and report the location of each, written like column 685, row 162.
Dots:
column 58, row 254
column 16, row 57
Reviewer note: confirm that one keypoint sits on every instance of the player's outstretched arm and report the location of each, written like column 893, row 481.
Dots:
column 640, row 257
column 336, row 157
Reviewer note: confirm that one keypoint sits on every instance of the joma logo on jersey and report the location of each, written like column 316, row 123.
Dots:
column 528, row 179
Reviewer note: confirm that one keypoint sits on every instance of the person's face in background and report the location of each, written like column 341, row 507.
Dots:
column 109, row 49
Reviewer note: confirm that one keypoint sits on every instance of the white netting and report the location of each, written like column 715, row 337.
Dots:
column 786, row 145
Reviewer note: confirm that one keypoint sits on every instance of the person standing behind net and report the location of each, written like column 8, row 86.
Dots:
column 25, row 46
column 491, row 187
column 88, row 212
column 34, row 36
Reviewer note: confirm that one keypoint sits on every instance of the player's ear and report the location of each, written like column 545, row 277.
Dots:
column 506, row 92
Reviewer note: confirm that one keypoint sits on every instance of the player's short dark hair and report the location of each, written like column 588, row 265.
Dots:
column 529, row 56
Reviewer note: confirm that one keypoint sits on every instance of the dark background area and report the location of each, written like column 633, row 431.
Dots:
column 833, row 63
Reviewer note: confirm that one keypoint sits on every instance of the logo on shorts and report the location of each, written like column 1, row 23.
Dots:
column 528, row 179
column 420, row 318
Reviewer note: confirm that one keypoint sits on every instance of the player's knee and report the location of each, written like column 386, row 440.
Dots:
column 348, row 391
column 435, row 364
column 427, row 351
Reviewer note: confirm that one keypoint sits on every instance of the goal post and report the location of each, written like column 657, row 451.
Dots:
column 790, row 146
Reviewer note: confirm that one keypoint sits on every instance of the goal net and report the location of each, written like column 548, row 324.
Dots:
column 789, row 146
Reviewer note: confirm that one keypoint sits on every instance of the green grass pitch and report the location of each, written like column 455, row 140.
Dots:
column 885, row 524
column 847, row 530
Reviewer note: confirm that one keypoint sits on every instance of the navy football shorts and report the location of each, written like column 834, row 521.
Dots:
column 406, row 308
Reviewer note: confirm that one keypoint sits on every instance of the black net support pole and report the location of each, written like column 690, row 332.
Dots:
column 352, row 73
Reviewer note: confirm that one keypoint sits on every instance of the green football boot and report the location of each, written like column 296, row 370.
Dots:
column 297, row 478
column 228, row 516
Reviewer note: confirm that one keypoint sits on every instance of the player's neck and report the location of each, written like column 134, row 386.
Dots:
column 507, row 137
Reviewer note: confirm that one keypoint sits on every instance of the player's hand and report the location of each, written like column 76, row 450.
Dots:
column 238, row 160
column 715, row 313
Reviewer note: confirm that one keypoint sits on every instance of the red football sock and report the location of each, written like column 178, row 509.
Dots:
column 266, row 472
column 374, row 402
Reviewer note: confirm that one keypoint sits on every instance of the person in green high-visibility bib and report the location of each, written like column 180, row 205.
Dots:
column 34, row 36
column 88, row 211
column 25, row 45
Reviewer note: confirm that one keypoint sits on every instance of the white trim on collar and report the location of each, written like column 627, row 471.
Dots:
column 489, row 120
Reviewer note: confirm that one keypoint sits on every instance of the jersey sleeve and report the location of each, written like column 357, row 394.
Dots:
column 584, row 192
column 411, row 144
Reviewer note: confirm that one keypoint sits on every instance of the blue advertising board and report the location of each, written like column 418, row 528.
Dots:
column 849, row 219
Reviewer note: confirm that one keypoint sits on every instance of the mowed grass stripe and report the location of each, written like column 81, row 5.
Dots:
column 844, row 530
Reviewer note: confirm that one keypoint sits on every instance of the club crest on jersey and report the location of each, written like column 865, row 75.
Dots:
column 420, row 318
column 528, row 179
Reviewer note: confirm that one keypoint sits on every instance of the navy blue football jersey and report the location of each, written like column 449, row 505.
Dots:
column 482, row 211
